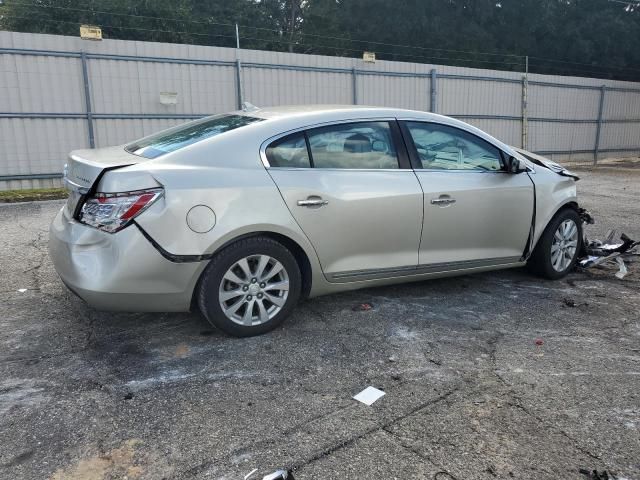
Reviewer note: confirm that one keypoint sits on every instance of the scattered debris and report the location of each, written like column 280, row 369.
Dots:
column 362, row 307
column 392, row 359
column 595, row 475
column 569, row 302
column 597, row 253
column 250, row 473
column 539, row 342
column 369, row 395
column 22, row 290
column 279, row 475
column 620, row 274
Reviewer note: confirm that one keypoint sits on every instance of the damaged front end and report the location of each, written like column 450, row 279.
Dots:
column 546, row 163
column 596, row 252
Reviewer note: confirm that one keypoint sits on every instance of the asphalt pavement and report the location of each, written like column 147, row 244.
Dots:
column 495, row 375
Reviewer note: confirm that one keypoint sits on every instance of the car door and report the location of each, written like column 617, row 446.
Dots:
column 351, row 189
column 475, row 213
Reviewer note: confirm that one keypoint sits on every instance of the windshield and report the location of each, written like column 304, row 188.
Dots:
column 183, row 135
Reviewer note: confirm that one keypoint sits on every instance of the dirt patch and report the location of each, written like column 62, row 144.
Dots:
column 129, row 461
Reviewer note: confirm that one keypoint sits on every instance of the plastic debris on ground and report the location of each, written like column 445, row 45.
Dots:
column 369, row 395
column 362, row 307
column 279, row 475
column 22, row 290
column 596, row 252
column 248, row 475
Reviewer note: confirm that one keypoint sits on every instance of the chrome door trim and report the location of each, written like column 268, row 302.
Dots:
column 380, row 273
column 81, row 189
column 320, row 169
column 268, row 141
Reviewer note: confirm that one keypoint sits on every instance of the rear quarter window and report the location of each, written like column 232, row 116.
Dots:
column 187, row 134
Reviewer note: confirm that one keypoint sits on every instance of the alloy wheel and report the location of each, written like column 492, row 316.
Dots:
column 564, row 245
column 254, row 290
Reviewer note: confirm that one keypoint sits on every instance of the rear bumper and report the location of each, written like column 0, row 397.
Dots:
column 120, row 271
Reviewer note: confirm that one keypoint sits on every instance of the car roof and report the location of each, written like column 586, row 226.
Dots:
column 328, row 110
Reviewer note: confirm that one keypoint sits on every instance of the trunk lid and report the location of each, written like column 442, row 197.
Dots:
column 85, row 167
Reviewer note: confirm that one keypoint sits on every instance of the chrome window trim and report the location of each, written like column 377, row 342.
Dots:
column 268, row 141
column 296, row 169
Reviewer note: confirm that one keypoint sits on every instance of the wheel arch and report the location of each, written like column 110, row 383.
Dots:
column 293, row 246
column 570, row 203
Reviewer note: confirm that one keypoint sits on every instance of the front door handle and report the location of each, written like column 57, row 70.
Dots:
column 443, row 201
column 312, row 202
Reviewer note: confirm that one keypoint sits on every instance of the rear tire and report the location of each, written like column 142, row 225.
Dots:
column 556, row 253
column 250, row 287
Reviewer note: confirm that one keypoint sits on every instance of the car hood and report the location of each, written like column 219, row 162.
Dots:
column 546, row 163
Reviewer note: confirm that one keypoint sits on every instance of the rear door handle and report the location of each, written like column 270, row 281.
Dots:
column 442, row 201
column 312, row 202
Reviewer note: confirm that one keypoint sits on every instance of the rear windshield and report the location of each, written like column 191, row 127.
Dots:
column 183, row 135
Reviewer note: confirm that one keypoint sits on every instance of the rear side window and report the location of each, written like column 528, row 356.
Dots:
column 361, row 145
column 187, row 134
column 290, row 151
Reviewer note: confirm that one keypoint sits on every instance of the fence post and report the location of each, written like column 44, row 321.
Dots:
column 434, row 91
column 87, row 98
column 354, row 81
column 525, row 120
column 239, row 90
column 603, row 88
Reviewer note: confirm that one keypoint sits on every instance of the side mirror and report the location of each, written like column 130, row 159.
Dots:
column 513, row 165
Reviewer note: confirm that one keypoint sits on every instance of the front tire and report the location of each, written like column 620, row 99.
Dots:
column 556, row 253
column 250, row 287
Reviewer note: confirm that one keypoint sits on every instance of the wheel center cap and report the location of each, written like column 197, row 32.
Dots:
column 254, row 288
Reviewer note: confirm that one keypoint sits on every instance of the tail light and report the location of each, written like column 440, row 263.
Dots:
column 114, row 211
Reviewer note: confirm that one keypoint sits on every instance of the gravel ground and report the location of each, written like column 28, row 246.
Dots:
column 469, row 394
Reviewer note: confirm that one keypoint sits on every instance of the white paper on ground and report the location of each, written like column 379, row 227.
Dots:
column 369, row 395
column 22, row 290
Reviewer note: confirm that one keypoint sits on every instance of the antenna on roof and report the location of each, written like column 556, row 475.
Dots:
column 249, row 107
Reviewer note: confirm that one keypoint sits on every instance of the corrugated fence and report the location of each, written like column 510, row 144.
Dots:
column 61, row 93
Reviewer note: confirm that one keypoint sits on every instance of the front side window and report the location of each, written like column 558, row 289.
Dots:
column 290, row 151
column 441, row 147
column 183, row 135
column 361, row 145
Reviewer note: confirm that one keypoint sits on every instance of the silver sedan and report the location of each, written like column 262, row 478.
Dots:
column 242, row 214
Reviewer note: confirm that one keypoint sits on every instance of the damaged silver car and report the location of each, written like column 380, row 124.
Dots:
column 242, row 214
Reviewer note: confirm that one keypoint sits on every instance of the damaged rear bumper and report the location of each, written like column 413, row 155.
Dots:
column 120, row 271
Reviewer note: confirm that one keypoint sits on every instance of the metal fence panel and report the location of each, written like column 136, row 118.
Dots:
column 563, row 103
column 388, row 91
column 479, row 97
column 271, row 86
column 621, row 105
